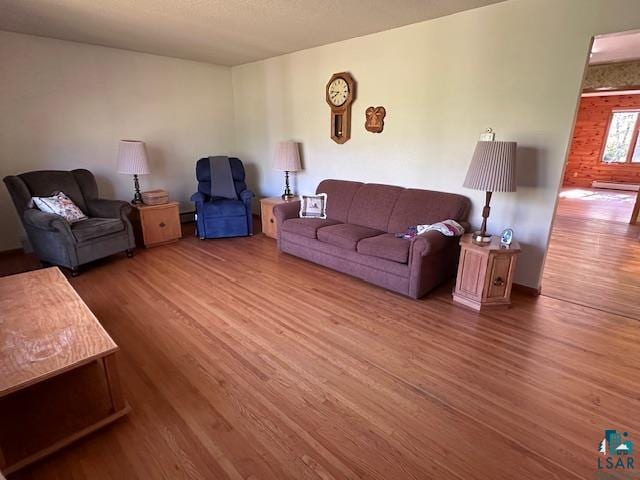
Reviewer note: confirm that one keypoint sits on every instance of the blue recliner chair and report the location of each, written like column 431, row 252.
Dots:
column 221, row 217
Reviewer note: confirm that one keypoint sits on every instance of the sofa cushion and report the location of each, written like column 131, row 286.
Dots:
column 421, row 207
column 223, row 208
column 339, row 197
column 385, row 246
column 95, row 227
column 372, row 205
column 307, row 227
column 338, row 258
column 345, row 235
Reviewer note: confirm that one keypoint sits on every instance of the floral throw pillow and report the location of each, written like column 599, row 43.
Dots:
column 313, row 206
column 62, row 205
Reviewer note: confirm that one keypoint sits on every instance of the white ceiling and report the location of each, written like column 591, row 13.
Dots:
column 617, row 47
column 226, row 32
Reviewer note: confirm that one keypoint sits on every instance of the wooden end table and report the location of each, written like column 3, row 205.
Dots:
column 269, row 225
column 156, row 224
column 47, row 333
column 485, row 273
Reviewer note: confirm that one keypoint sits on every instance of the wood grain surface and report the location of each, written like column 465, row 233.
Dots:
column 45, row 329
column 594, row 254
column 589, row 134
column 252, row 364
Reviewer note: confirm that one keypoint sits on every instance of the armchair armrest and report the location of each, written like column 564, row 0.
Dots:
column 46, row 221
column 246, row 196
column 108, row 208
column 199, row 197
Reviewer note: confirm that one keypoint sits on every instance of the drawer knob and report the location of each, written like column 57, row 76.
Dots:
column 162, row 224
column 498, row 282
column 271, row 220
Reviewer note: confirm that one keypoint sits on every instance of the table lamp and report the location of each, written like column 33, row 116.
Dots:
column 492, row 169
column 287, row 159
column 132, row 160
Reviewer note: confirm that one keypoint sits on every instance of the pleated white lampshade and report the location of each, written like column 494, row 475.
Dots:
column 493, row 167
column 287, row 157
column 132, row 158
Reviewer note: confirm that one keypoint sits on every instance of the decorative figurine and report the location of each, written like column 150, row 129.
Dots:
column 374, row 122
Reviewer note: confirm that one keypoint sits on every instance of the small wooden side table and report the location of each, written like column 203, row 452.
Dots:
column 156, row 224
column 485, row 273
column 269, row 225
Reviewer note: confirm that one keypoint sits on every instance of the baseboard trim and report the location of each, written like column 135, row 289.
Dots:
column 530, row 291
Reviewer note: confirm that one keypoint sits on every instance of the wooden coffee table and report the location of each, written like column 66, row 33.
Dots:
column 46, row 332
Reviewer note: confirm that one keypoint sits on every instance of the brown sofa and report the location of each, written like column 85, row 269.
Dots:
column 358, row 235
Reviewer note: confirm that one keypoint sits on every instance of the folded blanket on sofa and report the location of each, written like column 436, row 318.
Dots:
column 449, row 228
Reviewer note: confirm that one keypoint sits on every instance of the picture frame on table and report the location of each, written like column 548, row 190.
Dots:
column 506, row 237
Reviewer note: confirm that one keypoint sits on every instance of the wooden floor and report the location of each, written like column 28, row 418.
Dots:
column 597, row 204
column 244, row 363
column 594, row 254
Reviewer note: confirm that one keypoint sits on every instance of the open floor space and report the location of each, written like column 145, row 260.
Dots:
column 242, row 362
column 594, row 254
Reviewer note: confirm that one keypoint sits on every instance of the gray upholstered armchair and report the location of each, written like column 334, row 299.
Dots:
column 54, row 240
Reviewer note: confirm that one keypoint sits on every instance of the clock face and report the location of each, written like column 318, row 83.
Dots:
column 338, row 91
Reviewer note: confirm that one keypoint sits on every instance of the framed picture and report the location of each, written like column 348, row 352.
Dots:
column 507, row 237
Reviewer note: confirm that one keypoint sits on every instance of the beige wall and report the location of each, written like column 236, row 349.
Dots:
column 65, row 105
column 514, row 66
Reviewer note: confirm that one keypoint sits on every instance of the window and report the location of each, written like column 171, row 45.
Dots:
column 622, row 144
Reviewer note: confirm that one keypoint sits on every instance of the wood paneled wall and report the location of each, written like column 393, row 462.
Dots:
column 592, row 121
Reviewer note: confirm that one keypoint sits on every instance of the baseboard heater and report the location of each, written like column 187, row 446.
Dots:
column 615, row 186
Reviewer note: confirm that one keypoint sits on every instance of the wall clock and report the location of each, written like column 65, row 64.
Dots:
column 341, row 92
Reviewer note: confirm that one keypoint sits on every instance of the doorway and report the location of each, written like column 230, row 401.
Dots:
column 594, row 251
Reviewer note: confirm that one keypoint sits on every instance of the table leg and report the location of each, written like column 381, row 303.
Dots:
column 113, row 382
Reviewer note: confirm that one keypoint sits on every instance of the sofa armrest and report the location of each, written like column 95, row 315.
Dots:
column 433, row 259
column 46, row 221
column 285, row 211
column 430, row 243
column 108, row 208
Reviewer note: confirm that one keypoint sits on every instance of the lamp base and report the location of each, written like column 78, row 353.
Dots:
column 287, row 195
column 481, row 238
column 137, row 197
